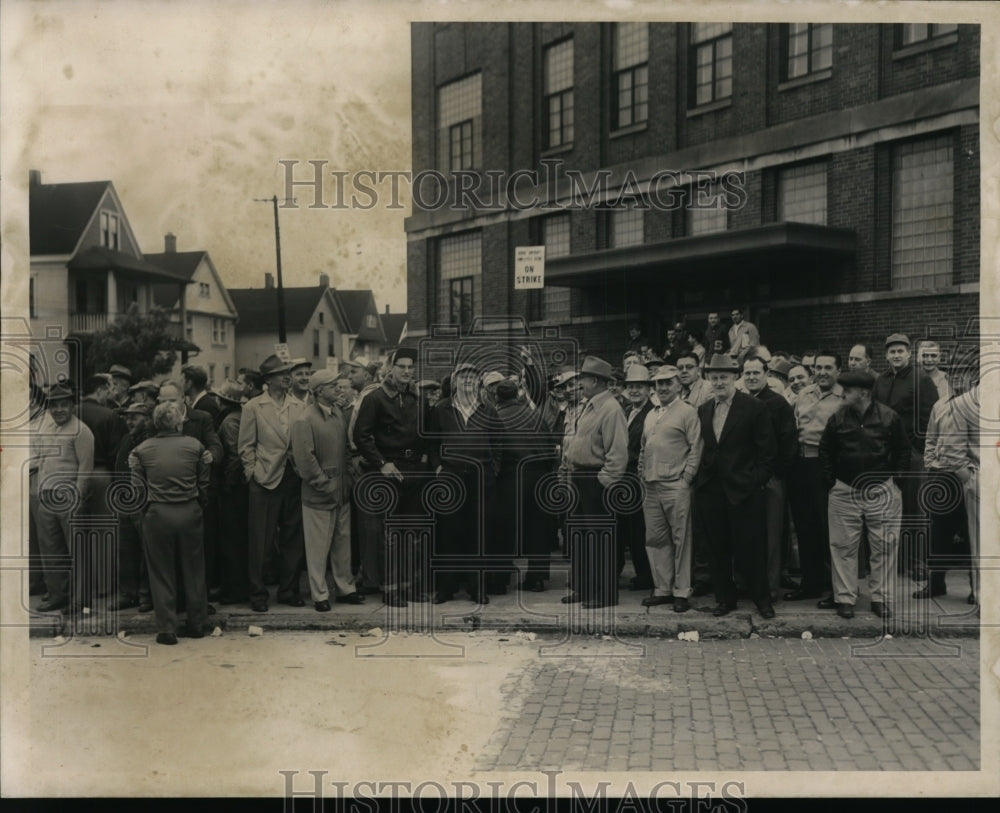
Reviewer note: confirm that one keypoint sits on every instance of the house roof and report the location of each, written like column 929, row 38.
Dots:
column 180, row 263
column 393, row 324
column 98, row 258
column 59, row 213
column 258, row 308
column 355, row 305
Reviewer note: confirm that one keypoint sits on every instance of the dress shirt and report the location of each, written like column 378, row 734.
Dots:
column 600, row 439
column 719, row 415
column 953, row 433
column 813, row 408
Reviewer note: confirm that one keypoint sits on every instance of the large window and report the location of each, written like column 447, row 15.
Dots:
column 460, row 265
column 631, row 79
column 808, row 48
column 706, row 210
column 329, row 344
column 218, row 331
column 626, row 227
column 109, row 230
column 558, row 116
column 460, row 119
column 315, row 342
column 555, row 238
column 912, row 33
column 922, row 208
column 711, row 62
column 802, row 194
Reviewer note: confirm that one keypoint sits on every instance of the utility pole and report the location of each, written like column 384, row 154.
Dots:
column 282, row 338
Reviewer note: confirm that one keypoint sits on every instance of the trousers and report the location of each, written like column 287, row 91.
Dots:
column 667, row 510
column 173, row 535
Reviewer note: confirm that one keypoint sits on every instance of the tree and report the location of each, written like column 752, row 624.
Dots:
column 146, row 343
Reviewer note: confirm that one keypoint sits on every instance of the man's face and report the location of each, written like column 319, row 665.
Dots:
column 188, row 387
column 858, row 359
column 403, row 370
column 327, row 394
column 713, row 320
column 300, row 379
column 633, row 332
column 930, row 357
column 136, row 422
column 898, row 355
column 345, row 392
column 809, row 362
column 573, row 390
column 638, row 393
column 826, row 372
column 629, row 361
column 278, row 383
column 737, row 316
column 754, row 376
column 358, row 377
column 589, row 385
column 119, row 388
column 466, row 383
column 723, row 385
column 61, row 410
column 103, row 394
column 667, row 389
column 798, row 378
column 170, row 394
column 559, row 393
column 687, row 372
column 615, row 387
column 671, row 336
column 433, row 395
column 855, row 397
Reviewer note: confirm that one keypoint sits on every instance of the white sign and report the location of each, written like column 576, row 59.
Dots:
column 332, row 363
column 281, row 351
column 529, row 267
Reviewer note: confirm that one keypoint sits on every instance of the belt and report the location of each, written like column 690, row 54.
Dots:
column 808, row 451
column 403, row 454
column 585, row 469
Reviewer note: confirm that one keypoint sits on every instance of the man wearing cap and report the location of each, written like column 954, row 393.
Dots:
column 631, row 526
column 863, row 450
column 668, row 462
column 65, row 462
column 196, row 391
column 234, row 499
column 144, row 393
column 121, row 381
column 729, row 501
column 320, row 453
column 275, row 490
column 617, row 386
column 694, row 389
column 300, row 372
column 387, row 434
column 596, row 456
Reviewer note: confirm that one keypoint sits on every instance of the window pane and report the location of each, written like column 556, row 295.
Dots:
column 631, row 44
column 626, row 228
column 711, row 218
column 458, row 256
column 556, row 239
column 559, row 67
column 802, row 194
column 705, row 31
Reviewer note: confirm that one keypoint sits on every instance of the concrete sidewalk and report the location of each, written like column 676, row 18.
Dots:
column 542, row 613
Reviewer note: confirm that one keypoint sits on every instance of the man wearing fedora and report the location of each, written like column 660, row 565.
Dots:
column 632, row 526
column 274, row 488
column 595, row 455
column 737, row 462
column 234, row 499
column 121, row 383
column 668, row 462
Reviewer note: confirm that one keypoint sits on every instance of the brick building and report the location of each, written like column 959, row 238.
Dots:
column 853, row 211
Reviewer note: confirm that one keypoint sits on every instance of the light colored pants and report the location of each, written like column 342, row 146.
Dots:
column 667, row 511
column 328, row 533
column 850, row 509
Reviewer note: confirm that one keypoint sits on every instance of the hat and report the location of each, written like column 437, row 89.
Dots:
column 295, row 364
column 781, row 368
column 106, row 377
column 321, row 378
column 617, row 374
column 363, row 363
column 137, row 409
column 428, row 384
column 58, row 392
column 272, row 365
column 637, row 374
column 654, row 360
column 898, row 338
column 120, row 371
column 563, row 378
column 146, row 385
column 465, row 365
column 230, row 391
column 665, row 372
column 722, row 363
column 405, row 353
column 592, row 365
column 492, row 377
column 857, row 378
column 506, row 390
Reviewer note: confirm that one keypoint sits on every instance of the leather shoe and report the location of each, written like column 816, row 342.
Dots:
column 393, row 598
column 845, row 610
column 258, row 606
column 52, row 605
column 190, row 632
column 926, row 592
column 293, row 601
column 789, row 583
column 723, row 609
column 766, row 611
column 572, row 598
column 167, row 638
column 827, row 603
column 597, row 604
column 124, row 603
column 800, row 595
column 656, row 601
column 534, row 587
column 681, row 604
column 701, row 589
column 145, row 606
column 322, row 606
column 441, row 598
column 351, row 598
column 881, row 610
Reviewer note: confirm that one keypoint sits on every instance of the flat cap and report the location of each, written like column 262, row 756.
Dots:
column 856, row 378
column 137, row 409
column 492, row 377
column 295, row 364
column 146, row 386
column 667, row 371
column 898, row 338
column 121, row 371
column 321, row 378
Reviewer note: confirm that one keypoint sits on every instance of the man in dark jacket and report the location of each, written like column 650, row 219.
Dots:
column 234, row 500
column 632, row 526
column 729, row 489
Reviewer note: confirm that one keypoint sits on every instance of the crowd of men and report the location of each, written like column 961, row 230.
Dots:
column 719, row 466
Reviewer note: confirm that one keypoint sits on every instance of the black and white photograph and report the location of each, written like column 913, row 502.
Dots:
column 499, row 401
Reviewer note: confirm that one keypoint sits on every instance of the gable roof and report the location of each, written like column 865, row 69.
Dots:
column 356, row 305
column 58, row 214
column 184, row 264
column 393, row 324
column 258, row 308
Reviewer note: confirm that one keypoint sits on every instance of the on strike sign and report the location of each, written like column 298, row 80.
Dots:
column 529, row 267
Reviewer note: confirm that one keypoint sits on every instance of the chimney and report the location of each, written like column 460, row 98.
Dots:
column 268, row 280
column 387, row 308
column 34, row 177
column 324, row 280
column 170, row 243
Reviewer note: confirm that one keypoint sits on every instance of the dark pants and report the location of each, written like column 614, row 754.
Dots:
column 276, row 514
column 213, row 562
column 60, row 554
column 593, row 551
column 396, row 559
column 460, row 544
column 948, row 520
column 910, row 557
column 234, row 507
column 808, row 496
column 173, row 534
column 36, row 579
column 632, row 534
column 521, row 518
column 737, row 536
column 133, row 575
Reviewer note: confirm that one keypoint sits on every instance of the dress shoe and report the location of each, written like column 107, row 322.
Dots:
column 293, row 601
column 639, row 584
column 681, row 604
column 801, row 595
column 881, row 610
column 845, row 610
column 598, row 603
column 723, row 609
column 701, row 589
column 215, row 594
column 124, row 603
column 656, row 601
column 572, row 598
column 766, row 611
column 533, row 586
column 351, row 598
column 190, row 632
column 393, row 598
column 322, row 606
column 258, row 606
column 145, row 606
column 827, row 603
column 441, row 598
column 209, row 609
column 788, row 583
column 52, row 605
column 926, row 592
column 167, row 638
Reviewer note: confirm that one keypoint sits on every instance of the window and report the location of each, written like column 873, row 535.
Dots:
column 922, row 206
column 631, row 79
column 626, row 227
column 555, row 238
column 808, row 48
column 711, row 62
column 802, row 194
column 558, row 108
column 371, row 320
column 31, row 298
column 706, row 210
column 109, row 230
column 460, row 261
column 189, row 327
column 321, row 317
column 329, row 344
column 204, row 290
column 912, row 33
column 218, row 331
column 316, row 343
column 460, row 119
column 228, row 370
column 211, row 375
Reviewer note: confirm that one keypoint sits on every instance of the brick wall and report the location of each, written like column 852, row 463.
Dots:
column 930, row 67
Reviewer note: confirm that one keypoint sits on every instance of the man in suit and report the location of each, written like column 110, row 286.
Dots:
column 275, row 489
column 736, row 465
column 632, row 527
column 196, row 391
column 234, row 499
